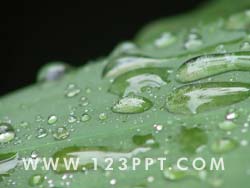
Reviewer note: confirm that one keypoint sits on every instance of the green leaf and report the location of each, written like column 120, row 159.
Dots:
column 77, row 114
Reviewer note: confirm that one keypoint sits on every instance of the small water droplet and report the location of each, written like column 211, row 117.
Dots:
column 36, row 180
column 103, row 116
column 7, row 133
column 34, row 154
column 61, row 133
column 85, row 117
column 130, row 105
column 245, row 46
column 220, row 49
column 72, row 90
column 165, row 40
column 113, row 182
column 52, row 119
column 193, row 41
column 53, row 71
column 224, row 145
column 227, row 125
column 41, row 133
column 231, row 116
column 72, row 119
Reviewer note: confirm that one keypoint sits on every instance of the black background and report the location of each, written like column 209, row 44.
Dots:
column 34, row 34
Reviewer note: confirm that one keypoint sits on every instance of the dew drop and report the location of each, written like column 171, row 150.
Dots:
column 103, row 116
column 224, row 145
column 227, row 125
column 245, row 46
column 61, row 133
column 41, row 133
column 72, row 90
column 72, row 119
column 145, row 140
column 53, row 71
column 173, row 174
column 7, row 133
column 85, row 117
column 36, row 179
column 166, row 39
column 8, row 161
column 52, row 119
column 193, row 41
column 131, row 105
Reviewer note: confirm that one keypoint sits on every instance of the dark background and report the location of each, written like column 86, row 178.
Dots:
column 34, row 34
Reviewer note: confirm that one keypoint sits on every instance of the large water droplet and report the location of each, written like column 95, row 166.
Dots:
column 210, row 65
column 8, row 161
column 86, row 156
column 53, row 71
column 131, row 105
column 191, row 99
column 224, row 145
column 6, row 133
column 120, row 65
column 137, row 80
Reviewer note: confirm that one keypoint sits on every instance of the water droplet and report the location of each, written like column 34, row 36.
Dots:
column 145, row 140
column 7, row 133
column 53, row 71
column 52, row 119
column 36, row 179
column 72, row 119
column 8, row 161
column 113, row 182
column 72, row 90
column 191, row 139
column 195, row 98
column 240, row 21
column 42, row 133
column 220, row 49
column 34, row 154
column 224, row 145
column 102, row 116
column 231, row 116
column 137, row 80
column 85, row 117
column 61, row 133
column 245, row 46
column 158, row 127
column 243, row 142
column 120, row 65
column 130, row 105
column 193, row 41
column 173, row 174
column 209, row 65
column 86, row 154
column 165, row 40
column 150, row 179
column 227, row 125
